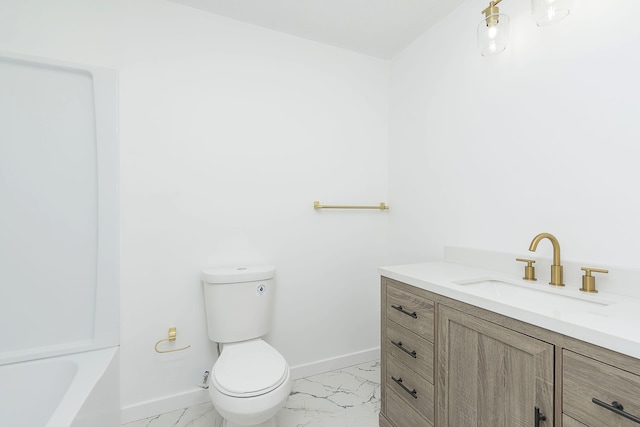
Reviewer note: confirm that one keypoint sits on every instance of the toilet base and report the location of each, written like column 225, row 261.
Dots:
column 271, row 422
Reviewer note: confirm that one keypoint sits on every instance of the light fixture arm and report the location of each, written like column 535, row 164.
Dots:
column 491, row 13
column 491, row 4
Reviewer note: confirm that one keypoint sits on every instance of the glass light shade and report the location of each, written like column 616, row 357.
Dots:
column 548, row 12
column 492, row 39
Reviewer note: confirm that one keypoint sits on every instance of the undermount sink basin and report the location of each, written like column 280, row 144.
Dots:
column 535, row 296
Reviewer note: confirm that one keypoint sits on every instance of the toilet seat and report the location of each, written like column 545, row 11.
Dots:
column 249, row 368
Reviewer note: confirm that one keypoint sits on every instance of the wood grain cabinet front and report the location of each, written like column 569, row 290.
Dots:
column 400, row 414
column 410, row 349
column 407, row 356
column 414, row 390
column 410, row 311
column 597, row 394
column 489, row 375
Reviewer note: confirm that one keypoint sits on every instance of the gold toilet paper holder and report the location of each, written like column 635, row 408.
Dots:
column 172, row 337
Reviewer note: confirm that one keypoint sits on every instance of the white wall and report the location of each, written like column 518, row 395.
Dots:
column 488, row 152
column 228, row 133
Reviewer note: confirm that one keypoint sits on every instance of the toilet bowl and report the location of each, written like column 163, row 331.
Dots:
column 250, row 381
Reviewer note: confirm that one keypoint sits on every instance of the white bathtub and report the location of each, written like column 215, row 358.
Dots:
column 77, row 390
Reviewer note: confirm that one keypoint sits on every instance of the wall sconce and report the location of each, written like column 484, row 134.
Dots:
column 493, row 30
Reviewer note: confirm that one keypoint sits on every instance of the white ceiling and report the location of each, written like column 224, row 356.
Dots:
column 378, row 28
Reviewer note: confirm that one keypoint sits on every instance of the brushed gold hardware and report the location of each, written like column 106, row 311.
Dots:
column 491, row 13
column 529, row 269
column 588, row 281
column 556, row 268
column 172, row 337
column 317, row 205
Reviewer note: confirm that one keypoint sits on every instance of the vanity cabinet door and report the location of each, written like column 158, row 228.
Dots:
column 489, row 375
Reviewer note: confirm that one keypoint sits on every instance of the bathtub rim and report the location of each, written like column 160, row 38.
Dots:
column 92, row 368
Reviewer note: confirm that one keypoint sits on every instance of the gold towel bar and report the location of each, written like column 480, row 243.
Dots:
column 317, row 205
column 172, row 337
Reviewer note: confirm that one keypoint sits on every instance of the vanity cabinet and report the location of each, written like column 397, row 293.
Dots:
column 446, row 363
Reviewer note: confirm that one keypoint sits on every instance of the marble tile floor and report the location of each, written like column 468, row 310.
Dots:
column 348, row 397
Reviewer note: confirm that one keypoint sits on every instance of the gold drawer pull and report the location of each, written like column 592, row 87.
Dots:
column 401, row 347
column 402, row 310
column 413, row 392
column 617, row 408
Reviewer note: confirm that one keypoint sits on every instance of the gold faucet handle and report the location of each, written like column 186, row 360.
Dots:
column 529, row 269
column 588, row 281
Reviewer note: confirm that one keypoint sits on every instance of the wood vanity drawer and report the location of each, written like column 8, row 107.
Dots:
column 401, row 414
column 585, row 379
column 411, row 311
column 570, row 422
column 413, row 389
column 410, row 349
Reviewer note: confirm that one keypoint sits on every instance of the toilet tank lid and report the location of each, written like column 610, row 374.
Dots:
column 237, row 274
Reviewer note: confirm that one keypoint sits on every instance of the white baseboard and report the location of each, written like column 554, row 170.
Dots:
column 197, row 395
column 163, row 405
column 333, row 363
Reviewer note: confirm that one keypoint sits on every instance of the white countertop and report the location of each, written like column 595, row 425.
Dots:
column 606, row 319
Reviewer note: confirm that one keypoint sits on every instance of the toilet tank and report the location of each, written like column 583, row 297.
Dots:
column 238, row 302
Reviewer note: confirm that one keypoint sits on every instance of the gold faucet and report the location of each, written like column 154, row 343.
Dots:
column 556, row 268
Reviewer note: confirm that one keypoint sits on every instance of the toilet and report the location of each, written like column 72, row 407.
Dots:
column 250, row 381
